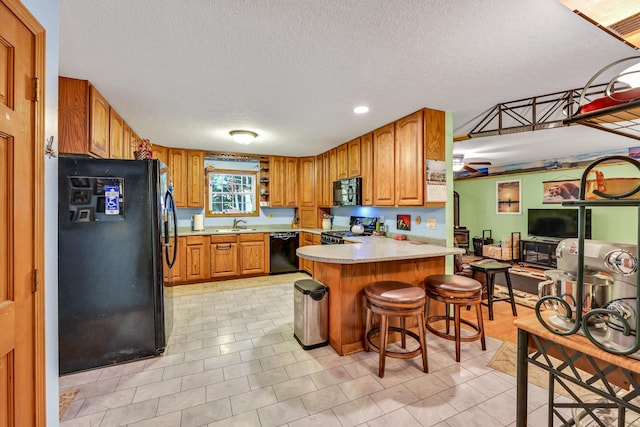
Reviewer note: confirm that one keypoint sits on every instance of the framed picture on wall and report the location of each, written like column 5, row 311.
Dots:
column 403, row 222
column 508, row 197
column 558, row 191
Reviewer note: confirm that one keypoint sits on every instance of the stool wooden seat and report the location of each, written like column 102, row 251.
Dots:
column 395, row 299
column 456, row 291
column 490, row 269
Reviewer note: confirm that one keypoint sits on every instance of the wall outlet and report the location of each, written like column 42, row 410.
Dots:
column 431, row 223
column 270, row 216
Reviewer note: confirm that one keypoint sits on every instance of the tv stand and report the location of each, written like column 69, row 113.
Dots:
column 541, row 253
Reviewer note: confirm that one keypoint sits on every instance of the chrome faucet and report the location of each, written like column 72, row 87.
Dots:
column 236, row 222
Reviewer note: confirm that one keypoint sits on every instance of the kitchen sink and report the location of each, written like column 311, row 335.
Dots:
column 232, row 230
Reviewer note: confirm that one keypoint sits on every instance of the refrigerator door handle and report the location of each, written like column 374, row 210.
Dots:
column 170, row 203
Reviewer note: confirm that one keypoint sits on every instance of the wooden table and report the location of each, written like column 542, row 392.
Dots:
column 536, row 343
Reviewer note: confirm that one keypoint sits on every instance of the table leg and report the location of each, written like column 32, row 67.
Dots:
column 489, row 278
column 522, row 379
column 510, row 288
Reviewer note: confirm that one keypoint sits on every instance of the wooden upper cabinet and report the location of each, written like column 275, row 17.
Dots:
column 327, row 183
column 161, row 153
column 409, row 160
column 83, row 119
column 434, row 134
column 116, row 135
column 333, row 166
column 366, row 168
column 384, row 166
column 318, row 182
column 99, row 124
column 354, row 157
column 276, row 185
column 306, row 179
column 342, row 154
column 178, row 171
column 195, row 179
column 291, row 182
column 128, row 138
column 88, row 125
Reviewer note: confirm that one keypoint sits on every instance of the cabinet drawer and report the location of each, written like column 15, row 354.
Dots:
column 251, row 237
column 227, row 238
column 195, row 240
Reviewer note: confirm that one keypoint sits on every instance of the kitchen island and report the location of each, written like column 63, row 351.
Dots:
column 348, row 268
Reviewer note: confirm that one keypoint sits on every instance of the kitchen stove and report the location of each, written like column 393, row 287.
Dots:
column 335, row 237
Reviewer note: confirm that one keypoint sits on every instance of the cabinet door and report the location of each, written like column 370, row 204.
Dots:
column 224, row 259
column 333, row 166
column 409, row 159
column 161, row 153
column 195, row 179
column 290, row 182
column 384, row 166
column 306, row 264
column 319, row 181
column 252, row 257
column 306, row 180
column 116, row 135
column 127, row 142
column 99, row 124
column 308, row 217
column 197, row 257
column 434, row 121
column 276, row 185
column 342, row 154
column 327, row 184
column 178, row 170
column 177, row 273
column 366, row 168
column 354, row 158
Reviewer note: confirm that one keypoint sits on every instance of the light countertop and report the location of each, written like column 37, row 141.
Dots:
column 374, row 249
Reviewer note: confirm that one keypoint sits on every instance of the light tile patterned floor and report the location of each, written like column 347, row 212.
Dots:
column 232, row 361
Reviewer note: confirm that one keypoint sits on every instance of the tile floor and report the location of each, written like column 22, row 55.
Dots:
column 232, row 361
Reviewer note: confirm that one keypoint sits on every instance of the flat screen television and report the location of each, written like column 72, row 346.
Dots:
column 556, row 223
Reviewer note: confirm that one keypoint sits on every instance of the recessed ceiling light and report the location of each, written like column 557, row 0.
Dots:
column 361, row 109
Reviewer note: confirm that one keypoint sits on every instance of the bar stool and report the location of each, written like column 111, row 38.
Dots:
column 395, row 299
column 456, row 291
column 490, row 269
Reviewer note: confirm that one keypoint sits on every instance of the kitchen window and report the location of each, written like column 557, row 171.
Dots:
column 231, row 192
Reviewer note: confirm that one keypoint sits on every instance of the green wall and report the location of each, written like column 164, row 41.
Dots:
column 478, row 205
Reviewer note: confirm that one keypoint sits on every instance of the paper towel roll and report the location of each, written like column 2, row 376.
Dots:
column 198, row 222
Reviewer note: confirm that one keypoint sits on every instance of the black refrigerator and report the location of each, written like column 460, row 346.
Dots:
column 115, row 219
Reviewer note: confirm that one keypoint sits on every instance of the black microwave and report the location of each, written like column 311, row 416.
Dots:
column 347, row 192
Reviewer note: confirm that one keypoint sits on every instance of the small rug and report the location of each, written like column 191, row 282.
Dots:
column 505, row 361
column 66, row 397
column 522, row 298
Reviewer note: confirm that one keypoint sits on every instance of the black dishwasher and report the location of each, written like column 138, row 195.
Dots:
column 283, row 257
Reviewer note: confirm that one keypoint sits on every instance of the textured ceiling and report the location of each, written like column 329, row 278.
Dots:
column 185, row 73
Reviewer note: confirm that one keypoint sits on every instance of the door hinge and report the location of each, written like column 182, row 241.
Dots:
column 36, row 89
column 35, row 281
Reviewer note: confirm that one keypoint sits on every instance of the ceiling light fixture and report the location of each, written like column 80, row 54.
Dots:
column 361, row 109
column 243, row 136
column 458, row 162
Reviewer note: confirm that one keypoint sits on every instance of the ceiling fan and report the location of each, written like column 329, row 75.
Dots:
column 459, row 164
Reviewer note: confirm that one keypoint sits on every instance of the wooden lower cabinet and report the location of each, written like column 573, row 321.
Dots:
column 308, row 239
column 224, row 256
column 177, row 273
column 197, row 258
column 254, row 256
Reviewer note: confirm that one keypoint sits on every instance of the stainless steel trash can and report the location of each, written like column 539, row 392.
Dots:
column 310, row 313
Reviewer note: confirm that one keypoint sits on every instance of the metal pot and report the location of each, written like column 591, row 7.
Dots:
column 357, row 229
column 597, row 291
